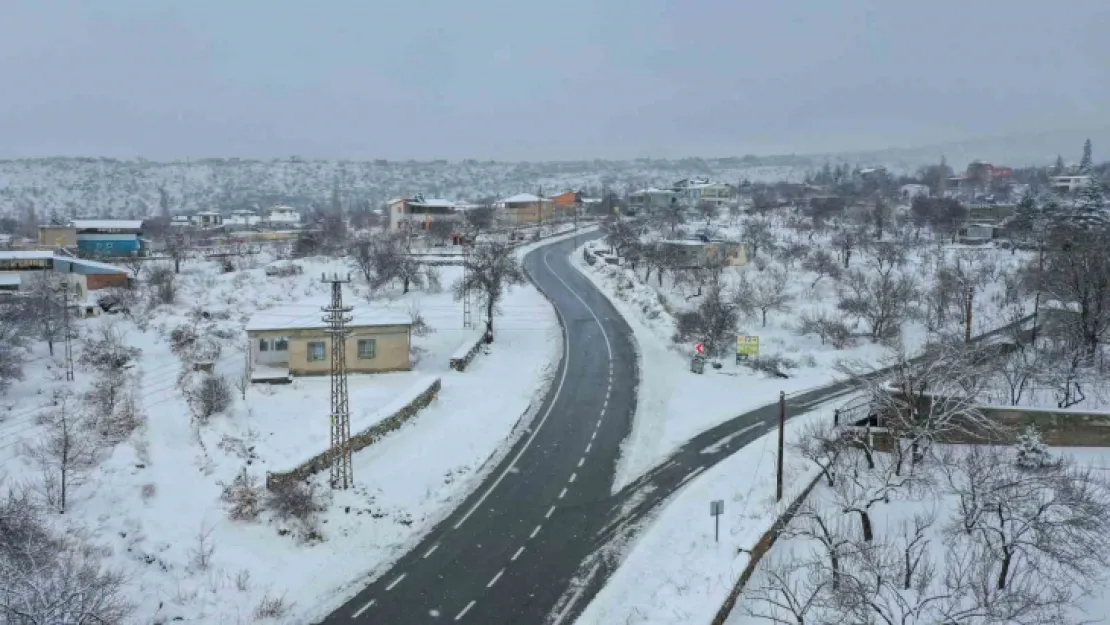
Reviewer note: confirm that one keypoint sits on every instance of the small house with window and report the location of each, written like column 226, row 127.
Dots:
column 295, row 341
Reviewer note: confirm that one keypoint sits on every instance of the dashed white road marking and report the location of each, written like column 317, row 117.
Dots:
column 430, row 551
column 594, row 435
column 563, row 493
column 536, row 531
column 573, row 476
column 364, row 608
column 581, row 460
column 396, row 581
column 465, row 610
column 589, row 445
column 550, row 512
column 495, row 578
column 517, row 554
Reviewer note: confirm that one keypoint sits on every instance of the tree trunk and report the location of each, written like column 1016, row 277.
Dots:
column 1005, row 571
column 50, row 345
column 865, row 522
column 764, row 311
column 489, row 321
column 969, row 300
column 176, row 265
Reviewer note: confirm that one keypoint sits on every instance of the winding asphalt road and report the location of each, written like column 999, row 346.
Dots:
column 528, row 546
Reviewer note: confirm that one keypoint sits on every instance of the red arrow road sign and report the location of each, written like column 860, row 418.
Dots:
column 700, row 349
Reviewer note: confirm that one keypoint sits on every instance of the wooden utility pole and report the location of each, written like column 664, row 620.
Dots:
column 970, row 298
column 782, row 444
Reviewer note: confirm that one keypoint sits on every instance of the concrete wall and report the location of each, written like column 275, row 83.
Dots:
column 105, row 280
column 57, row 236
column 391, row 354
column 529, row 213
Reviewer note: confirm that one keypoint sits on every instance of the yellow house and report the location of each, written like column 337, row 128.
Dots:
column 525, row 208
column 297, row 341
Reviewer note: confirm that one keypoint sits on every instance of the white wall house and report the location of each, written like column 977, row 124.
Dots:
column 283, row 217
column 1069, row 184
column 413, row 214
column 910, row 191
column 243, row 219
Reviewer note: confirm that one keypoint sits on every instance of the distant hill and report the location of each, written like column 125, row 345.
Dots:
column 62, row 188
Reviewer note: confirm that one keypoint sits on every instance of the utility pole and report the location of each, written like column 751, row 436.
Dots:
column 341, row 474
column 68, row 333
column 782, row 444
column 468, row 321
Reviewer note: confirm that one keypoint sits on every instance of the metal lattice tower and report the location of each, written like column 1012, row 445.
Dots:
column 468, row 321
column 341, row 474
column 67, row 330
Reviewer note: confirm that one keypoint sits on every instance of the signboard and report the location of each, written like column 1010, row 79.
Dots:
column 700, row 349
column 717, row 508
column 747, row 347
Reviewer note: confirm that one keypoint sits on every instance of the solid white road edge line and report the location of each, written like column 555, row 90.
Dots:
column 536, row 429
column 517, row 554
column 576, row 596
column 465, row 610
column 364, row 608
column 396, row 581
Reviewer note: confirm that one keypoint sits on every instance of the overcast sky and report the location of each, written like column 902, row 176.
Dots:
column 520, row 79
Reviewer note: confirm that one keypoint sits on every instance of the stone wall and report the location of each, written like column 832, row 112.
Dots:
column 359, row 441
column 459, row 361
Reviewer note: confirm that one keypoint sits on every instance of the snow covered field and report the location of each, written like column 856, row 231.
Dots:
column 926, row 511
column 675, row 572
column 675, row 404
column 152, row 503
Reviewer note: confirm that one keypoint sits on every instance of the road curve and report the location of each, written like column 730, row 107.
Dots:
column 508, row 552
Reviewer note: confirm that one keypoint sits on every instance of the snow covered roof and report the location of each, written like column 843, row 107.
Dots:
column 437, row 202
column 26, row 255
column 521, row 198
column 10, row 279
column 647, row 191
column 307, row 317
column 104, row 224
column 97, row 265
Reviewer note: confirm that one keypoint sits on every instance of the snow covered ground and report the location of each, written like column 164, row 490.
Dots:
column 891, row 522
column 675, row 572
column 153, row 502
column 675, row 404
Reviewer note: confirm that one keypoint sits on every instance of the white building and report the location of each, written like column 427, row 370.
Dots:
column 281, row 216
column 691, row 191
column 243, row 219
column 1069, row 184
column 910, row 191
column 412, row 214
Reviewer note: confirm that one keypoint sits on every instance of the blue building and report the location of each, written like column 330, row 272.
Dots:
column 109, row 237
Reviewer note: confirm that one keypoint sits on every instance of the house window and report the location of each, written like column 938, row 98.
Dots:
column 367, row 349
column 281, row 344
column 263, row 345
column 316, row 351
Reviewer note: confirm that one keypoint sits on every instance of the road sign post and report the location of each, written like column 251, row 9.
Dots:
column 716, row 509
column 782, row 436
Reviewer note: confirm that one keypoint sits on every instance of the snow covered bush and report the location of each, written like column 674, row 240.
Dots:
column 1032, row 453
column 299, row 502
column 243, row 497
column 211, row 396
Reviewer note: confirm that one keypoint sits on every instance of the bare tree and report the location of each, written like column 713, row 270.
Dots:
column 44, row 305
column 211, row 396
column 13, row 331
column 767, row 292
column 831, row 328
column 822, row 445
column 712, row 323
column 881, row 299
column 757, row 235
column 178, row 246
column 785, row 590
column 490, row 270
column 1077, row 273
column 66, row 452
column 478, row 219
column 791, row 252
column 383, row 259
column 441, row 230
column 671, row 216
